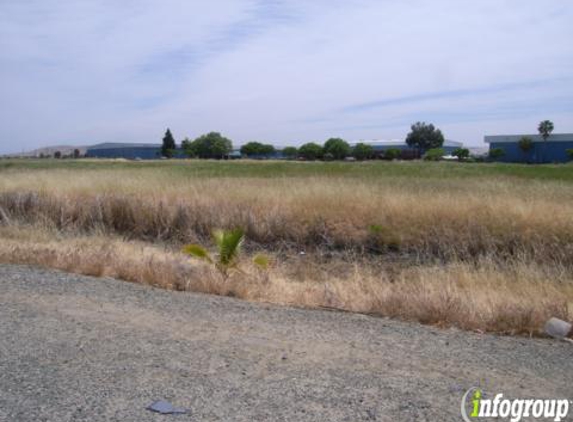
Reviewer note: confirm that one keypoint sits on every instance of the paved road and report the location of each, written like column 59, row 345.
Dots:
column 76, row 348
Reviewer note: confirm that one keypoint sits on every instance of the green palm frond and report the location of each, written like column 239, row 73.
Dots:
column 197, row 251
column 229, row 244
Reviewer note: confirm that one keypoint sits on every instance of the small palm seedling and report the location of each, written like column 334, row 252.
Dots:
column 228, row 243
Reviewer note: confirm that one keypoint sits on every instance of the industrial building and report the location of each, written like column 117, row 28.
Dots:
column 553, row 150
column 128, row 151
column 123, row 150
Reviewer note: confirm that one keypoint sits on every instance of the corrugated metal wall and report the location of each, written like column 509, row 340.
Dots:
column 541, row 152
column 128, row 153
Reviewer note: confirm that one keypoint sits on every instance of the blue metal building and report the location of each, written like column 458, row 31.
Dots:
column 554, row 150
column 121, row 150
column 128, row 151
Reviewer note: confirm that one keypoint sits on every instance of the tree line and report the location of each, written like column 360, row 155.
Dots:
column 422, row 137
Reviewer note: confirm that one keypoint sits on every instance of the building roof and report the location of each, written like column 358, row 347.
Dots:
column 118, row 145
column 556, row 137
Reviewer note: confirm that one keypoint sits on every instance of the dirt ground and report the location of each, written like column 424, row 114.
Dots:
column 75, row 348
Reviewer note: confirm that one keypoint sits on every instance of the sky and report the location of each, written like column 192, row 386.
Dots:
column 286, row 72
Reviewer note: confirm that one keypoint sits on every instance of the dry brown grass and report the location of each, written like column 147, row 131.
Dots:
column 435, row 218
column 493, row 254
column 510, row 298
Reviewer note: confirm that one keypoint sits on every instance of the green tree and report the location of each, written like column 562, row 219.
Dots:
column 569, row 154
column 338, row 148
column 362, row 151
column 392, row 153
column 434, row 154
column 290, row 152
column 168, row 146
column 268, row 149
column 311, row 151
column 251, row 148
column 496, row 153
column 545, row 128
column 58, row 154
column 462, row 153
column 76, row 153
column 525, row 145
column 257, row 149
column 186, row 146
column 210, row 145
column 424, row 137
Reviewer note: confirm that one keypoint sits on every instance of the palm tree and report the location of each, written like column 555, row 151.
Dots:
column 545, row 128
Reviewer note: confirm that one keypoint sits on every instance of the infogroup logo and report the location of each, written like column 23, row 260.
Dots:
column 475, row 406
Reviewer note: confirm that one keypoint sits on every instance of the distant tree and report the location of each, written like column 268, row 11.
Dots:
column 525, row 144
column 569, row 154
column 434, row 154
column 210, row 145
column 168, row 147
column 268, row 149
column 186, row 147
column 76, row 153
column 338, row 148
column 251, row 148
column 311, row 151
column 290, row 152
column 257, row 149
column 496, row 153
column 545, row 128
column 424, row 137
column 461, row 153
column 42, row 155
column 362, row 151
column 58, row 154
column 392, row 153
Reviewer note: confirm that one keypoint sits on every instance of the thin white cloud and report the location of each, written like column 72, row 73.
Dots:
column 279, row 71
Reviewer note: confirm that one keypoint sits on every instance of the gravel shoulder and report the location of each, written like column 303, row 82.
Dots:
column 76, row 348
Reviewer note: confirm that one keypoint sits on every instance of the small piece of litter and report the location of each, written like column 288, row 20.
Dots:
column 166, row 408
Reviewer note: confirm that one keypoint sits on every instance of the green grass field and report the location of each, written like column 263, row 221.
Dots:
column 272, row 169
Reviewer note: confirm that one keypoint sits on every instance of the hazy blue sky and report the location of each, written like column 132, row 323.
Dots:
column 81, row 72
